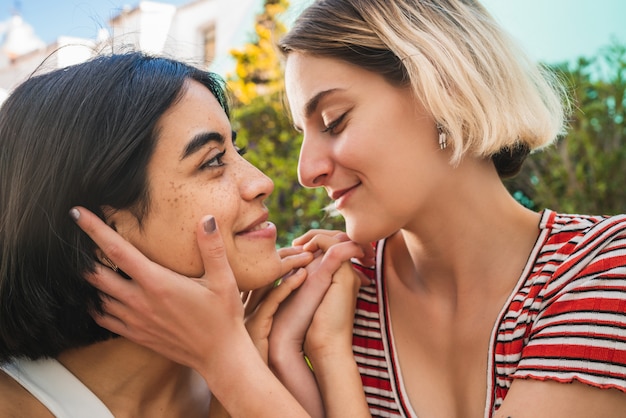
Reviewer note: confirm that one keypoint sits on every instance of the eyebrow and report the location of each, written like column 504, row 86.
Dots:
column 311, row 105
column 200, row 141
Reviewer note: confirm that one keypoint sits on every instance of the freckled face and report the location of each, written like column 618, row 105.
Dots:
column 370, row 144
column 196, row 170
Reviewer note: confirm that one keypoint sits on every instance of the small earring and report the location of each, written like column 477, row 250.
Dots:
column 443, row 137
column 107, row 262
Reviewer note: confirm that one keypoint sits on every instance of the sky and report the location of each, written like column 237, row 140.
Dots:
column 551, row 31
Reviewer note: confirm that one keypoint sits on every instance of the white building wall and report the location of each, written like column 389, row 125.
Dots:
column 66, row 51
column 153, row 27
column 233, row 30
column 160, row 28
column 185, row 40
column 145, row 27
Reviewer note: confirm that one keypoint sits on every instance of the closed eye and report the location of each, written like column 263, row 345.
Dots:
column 332, row 126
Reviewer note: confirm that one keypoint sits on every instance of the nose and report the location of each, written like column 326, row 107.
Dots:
column 314, row 163
column 254, row 183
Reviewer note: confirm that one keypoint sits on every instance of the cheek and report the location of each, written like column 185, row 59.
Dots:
column 254, row 268
column 178, row 209
column 169, row 236
column 357, row 149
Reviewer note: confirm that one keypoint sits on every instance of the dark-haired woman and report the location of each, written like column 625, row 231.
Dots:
column 146, row 144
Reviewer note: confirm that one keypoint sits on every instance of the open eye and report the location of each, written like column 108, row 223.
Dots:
column 214, row 162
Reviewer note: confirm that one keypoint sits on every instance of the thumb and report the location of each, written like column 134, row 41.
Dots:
column 217, row 271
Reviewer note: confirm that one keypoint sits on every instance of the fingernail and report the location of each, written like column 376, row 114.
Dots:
column 209, row 225
column 74, row 214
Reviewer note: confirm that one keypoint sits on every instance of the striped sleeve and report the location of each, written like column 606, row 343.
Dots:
column 580, row 329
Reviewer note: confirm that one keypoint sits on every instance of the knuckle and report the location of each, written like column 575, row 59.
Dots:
column 216, row 251
column 112, row 250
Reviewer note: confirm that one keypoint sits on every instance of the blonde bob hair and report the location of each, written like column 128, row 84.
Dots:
column 487, row 95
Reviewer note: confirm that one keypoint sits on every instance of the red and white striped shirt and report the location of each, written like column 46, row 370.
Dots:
column 565, row 320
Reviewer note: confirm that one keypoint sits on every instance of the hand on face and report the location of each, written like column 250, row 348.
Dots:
column 191, row 321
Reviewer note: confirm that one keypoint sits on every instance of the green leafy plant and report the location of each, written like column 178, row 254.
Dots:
column 264, row 127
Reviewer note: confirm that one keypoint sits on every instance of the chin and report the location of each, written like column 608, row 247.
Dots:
column 358, row 235
column 257, row 276
column 364, row 234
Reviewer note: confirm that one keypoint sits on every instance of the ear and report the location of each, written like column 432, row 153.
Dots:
column 123, row 221
column 109, row 214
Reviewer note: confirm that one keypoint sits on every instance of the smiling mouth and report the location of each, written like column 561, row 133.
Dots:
column 257, row 227
column 339, row 193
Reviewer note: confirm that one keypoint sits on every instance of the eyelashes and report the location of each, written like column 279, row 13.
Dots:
column 216, row 162
column 332, row 126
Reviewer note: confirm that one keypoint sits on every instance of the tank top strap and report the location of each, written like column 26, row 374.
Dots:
column 56, row 388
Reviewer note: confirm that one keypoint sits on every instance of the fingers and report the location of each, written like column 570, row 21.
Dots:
column 287, row 251
column 369, row 254
column 306, row 237
column 303, row 303
column 255, row 297
column 363, row 279
column 116, row 248
column 259, row 319
column 111, row 323
column 112, row 316
column 293, row 258
column 320, row 242
column 217, row 271
column 330, row 245
column 109, row 282
column 321, row 239
column 265, row 309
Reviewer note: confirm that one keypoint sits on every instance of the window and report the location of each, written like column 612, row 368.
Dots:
column 208, row 43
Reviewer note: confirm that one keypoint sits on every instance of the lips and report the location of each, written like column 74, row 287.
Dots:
column 338, row 193
column 257, row 225
column 341, row 196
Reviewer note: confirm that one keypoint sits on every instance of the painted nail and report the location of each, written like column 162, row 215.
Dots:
column 209, row 225
column 74, row 214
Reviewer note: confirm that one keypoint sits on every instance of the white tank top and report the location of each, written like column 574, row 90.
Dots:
column 56, row 388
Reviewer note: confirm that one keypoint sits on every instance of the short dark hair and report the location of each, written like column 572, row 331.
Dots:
column 81, row 135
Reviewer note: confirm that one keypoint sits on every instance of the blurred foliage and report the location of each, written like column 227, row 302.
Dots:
column 264, row 127
column 584, row 172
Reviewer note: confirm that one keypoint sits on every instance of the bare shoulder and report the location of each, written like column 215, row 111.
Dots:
column 17, row 402
column 550, row 399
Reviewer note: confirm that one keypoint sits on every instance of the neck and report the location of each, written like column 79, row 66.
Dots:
column 134, row 381
column 477, row 236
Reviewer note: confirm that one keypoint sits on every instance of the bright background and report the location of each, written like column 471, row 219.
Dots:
column 550, row 30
